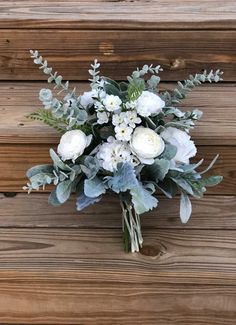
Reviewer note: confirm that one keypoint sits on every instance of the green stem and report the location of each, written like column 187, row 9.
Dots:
column 132, row 236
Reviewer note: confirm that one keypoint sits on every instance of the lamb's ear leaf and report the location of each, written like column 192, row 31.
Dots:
column 169, row 152
column 159, row 169
column 94, row 187
column 142, row 199
column 63, row 190
column 84, row 201
column 185, row 207
column 52, row 199
column 211, row 181
column 39, row 169
column 57, row 161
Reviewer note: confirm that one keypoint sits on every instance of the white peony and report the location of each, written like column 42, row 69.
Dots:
column 73, row 144
column 113, row 152
column 87, row 98
column 112, row 103
column 149, row 104
column 185, row 147
column 146, row 144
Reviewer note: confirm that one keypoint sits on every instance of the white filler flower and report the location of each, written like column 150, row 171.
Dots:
column 123, row 132
column 113, row 152
column 146, row 144
column 185, row 147
column 149, row 104
column 73, row 144
column 112, row 103
column 102, row 117
column 87, row 98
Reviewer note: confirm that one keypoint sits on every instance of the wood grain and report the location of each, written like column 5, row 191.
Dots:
column 20, row 99
column 154, row 14
column 71, row 52
column 168, row 256
column 212, row 212
column 65, row 299
column 16, row 159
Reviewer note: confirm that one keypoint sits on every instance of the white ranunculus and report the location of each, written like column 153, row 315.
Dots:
column 87, row 98
column 185, row 147
column 73, row 144
column 149, row 104
column 146, row 144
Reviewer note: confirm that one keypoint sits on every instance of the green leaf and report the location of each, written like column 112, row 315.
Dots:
column 53, row 200
column 58, row 162
column 183, row 184
column 63, row 191
column 185, row 208
column 123, row 179
column 211, row 181
column 169, row 152
column 142, row 200
column 94, row 187
column 159, row 169
column 168, row 187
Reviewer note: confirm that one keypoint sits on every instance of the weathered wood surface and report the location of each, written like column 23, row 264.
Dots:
column 167, row 256
column 58, row 266
column 65, row 298
column 71, row 52
column 98, row 14
column 21, row 157
column 212, row 212
column 217, row 126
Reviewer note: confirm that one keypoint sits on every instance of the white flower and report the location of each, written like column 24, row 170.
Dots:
column 118, row 118
column 123, row 132
column 112, row 103
column 102, row 117
column 185, row 147
column 146, row 144
column 149, row 104
column 73, row 144
column 87, row 98
column 113, row 152
column 132, row 119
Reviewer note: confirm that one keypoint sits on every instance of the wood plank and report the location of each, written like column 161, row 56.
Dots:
column 16, row 159
column 168, row 256
column 26, row 299
column 212, row 212
column 71, row 52
column 217, row 102
column 118, row 14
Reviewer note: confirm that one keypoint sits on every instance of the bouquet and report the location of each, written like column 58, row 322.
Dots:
column 128, row 137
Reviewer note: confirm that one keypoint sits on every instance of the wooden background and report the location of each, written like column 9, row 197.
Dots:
column 61, row 267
